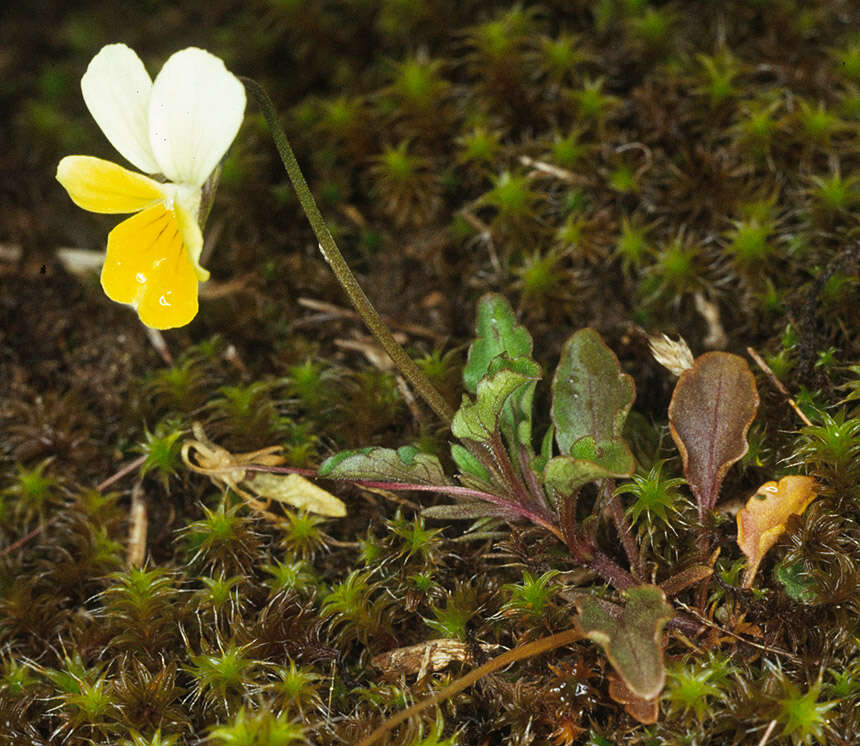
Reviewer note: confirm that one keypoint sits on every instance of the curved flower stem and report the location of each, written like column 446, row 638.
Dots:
column 335, row 259
column 524, row 651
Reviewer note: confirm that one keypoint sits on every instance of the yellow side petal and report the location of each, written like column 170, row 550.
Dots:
column 186, row 207
column 147, row 265
column 101, row 186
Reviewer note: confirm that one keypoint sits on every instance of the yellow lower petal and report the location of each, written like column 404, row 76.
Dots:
column 101, row 186
column 147, row 265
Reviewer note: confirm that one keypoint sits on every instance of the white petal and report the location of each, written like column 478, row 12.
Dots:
column 116, row 90
column 195, row 111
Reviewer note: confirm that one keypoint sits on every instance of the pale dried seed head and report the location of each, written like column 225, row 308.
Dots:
column 675, row 356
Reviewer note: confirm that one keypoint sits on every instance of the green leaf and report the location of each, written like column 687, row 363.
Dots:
column 539, row 462
column 406, row 464
column 612, row 455
column 591, row 396
column 631, row 637
column 796, row 582
column 498, row 333
column 546, row 443
column 712, row 407
column 590, row 461
column 516, row 420
column 468, row 464
column 479, row 420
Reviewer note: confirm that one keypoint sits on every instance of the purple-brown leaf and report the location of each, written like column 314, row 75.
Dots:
column 631, row 637
column 712, row 407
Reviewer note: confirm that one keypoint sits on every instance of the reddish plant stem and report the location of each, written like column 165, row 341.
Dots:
column 622, row 526
column 686, row 624
column 509, row 474
column 530, row 478
column 586, row 553
column 485, row 455
column 607, row 569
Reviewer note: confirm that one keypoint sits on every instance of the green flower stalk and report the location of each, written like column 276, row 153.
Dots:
column 338, row 264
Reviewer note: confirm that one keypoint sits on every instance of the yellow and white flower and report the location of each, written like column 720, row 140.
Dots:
column 179, row 128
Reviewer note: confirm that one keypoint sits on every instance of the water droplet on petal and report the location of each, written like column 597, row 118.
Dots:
column 141, row 278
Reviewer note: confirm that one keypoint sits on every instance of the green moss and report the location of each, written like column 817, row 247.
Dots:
column 289, row 576
column 261, row 728
column 817, row 124
column 797, row 584
column 693, row 685
column 161, row 450
column 561, row 56
column 531, row 597
column 749, row 242
column 832, row 448
column 222, row 674
column 31, row 492
column 452, row 619
column 295, row 688
column 224, row 540
column 418, row 85
column 567, row 150
column 512, row 196
column 303, row 536
column 623, row 180
column 802, row 716
column 358, row 608
column 847, row 61
column 591, row 102
column 497, row 40
column 632, row 246
column 834, row 194
column 718, row 73
column 676, row 270
column 653, row 26
column 405, row 185
column 541, row 276
column 157, row 739
column 655, row 497
column 757, row 126
column 480, row 145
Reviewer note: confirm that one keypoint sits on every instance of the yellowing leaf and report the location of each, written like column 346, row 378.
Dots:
column 297, row 491
column 763, row 519
column 258, row 489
